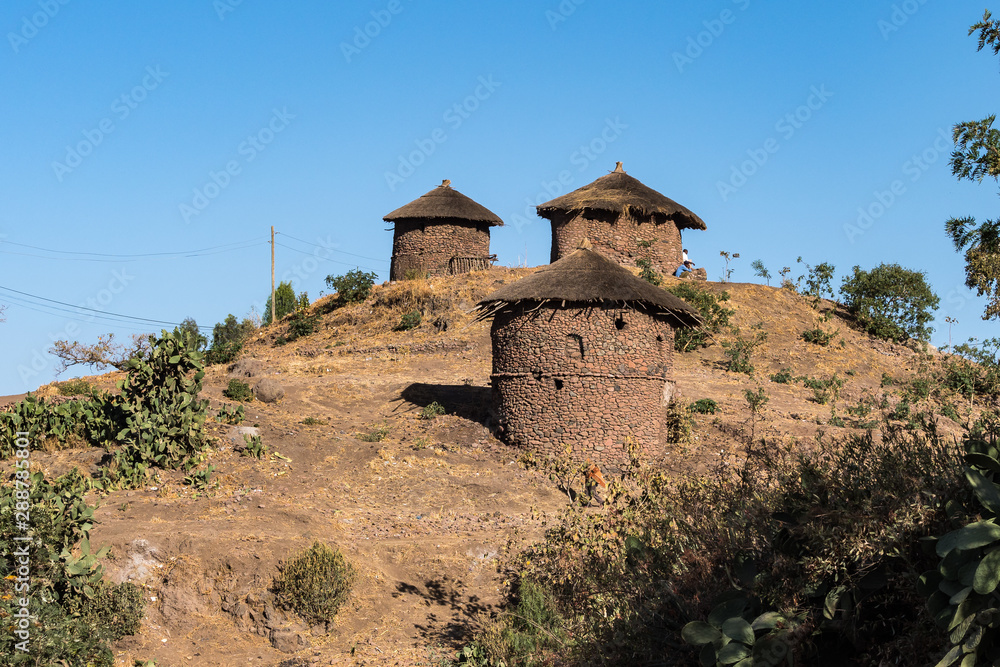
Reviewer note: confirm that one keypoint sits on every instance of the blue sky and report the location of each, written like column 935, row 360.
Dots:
column 194, row 125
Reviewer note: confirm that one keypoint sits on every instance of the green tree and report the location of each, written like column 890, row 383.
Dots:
column 976, row 156
column 353, row 286
column 190, row 327
column 228, row 337
column 890, row 302
column 284, row 302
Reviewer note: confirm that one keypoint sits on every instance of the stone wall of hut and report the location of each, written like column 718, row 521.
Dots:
column 439, row 247
column 618, row 237
column 587, row 377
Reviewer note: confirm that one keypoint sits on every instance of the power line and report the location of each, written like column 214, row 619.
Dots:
column 344, row 252
column 106, row 314
column 327, row 259
column 77, row 317
column 226, row 247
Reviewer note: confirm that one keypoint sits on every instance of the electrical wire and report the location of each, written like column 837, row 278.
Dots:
column 106, row 314
column 226, row 247
column 325, row 259
column 344, row 252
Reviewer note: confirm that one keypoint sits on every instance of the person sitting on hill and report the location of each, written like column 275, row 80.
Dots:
column 686, row 264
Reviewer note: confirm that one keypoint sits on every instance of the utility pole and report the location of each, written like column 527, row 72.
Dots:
column 272, row 275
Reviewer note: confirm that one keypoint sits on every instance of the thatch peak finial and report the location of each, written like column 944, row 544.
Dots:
column 618, row 168
column 446, row 183
column 585, row 244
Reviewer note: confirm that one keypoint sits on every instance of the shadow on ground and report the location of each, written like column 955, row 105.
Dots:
column 456, row 620
column 466, row 401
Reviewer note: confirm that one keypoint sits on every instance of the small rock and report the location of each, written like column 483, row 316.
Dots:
column 288, row 641
column 237, row 433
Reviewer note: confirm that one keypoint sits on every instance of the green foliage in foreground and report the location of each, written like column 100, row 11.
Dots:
column 74, row 613
column 156, row 419
column 782, row 555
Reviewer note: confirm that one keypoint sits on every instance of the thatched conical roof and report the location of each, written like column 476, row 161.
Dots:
column 444, row 202
column 585, row 276
column 618, row 193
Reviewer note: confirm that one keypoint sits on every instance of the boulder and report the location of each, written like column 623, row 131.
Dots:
column 268, row 391
column 246, row 368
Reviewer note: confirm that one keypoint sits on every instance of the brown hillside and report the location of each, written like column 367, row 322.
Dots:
column 424, row 513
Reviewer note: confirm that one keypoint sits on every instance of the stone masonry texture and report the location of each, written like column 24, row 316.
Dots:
column 430, row 246
column 618, row 237
column 584, row 375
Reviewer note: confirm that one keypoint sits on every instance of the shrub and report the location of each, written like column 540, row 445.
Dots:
column 432, row 410
column 784, row 376
column 163, row 418
column 410, row 320
column 315, row 584
column 117, row 607
column 238, row 390
column 708, row 305
column 300, row 324
column 974, row 369
column 890, row 302
column 535, row 626
column 352, row 287
column 740, row 349
column 414, row 274
column 705, row 406
column 376, row 434
column 829, row 540
column 818, row 336
column 678, row 423
column 969, row 566
column 75, row 387
column 647, row 273
column 824, row 390
column 818, row 280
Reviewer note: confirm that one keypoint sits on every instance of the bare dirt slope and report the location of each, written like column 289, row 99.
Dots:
column 423, row 513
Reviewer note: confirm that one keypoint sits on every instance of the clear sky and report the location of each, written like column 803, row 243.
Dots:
column 189, row 127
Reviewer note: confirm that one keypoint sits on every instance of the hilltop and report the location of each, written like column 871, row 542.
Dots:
column 423, row 507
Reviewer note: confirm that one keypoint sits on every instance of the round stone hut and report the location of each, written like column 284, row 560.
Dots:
column 582, row 357
column 442, row 232
column 624, row 219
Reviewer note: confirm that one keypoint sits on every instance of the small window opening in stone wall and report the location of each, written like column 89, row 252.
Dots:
column 574, row 346
column 620, row 322
column 559, row 383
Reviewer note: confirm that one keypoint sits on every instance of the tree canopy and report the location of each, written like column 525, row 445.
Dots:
column 976, row 156
column 890, row 302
